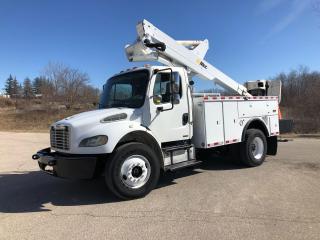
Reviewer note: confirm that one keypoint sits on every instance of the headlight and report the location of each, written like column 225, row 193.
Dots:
column 94, row 141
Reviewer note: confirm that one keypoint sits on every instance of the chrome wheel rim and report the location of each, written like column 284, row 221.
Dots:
column 257, row 148
column 135, row 171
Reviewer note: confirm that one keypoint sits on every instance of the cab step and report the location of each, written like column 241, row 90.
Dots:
column 180, row 165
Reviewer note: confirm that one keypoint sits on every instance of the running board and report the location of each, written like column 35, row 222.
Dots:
column 180, row 165
column 175, row 148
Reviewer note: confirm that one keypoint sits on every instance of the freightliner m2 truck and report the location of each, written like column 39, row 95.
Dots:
column 150, row 121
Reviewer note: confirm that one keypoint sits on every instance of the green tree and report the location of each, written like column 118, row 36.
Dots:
column 27, row 89
column 16, row 88
column 38, row 85
column 9, row 85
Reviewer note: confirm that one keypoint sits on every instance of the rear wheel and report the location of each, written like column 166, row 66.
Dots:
column 254, row 148
column 133, row 171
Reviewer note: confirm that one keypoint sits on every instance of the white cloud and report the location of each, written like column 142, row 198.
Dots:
column 268, row 5
column 296, row 8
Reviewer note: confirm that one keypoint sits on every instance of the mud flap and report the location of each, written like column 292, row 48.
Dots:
column 272, row 145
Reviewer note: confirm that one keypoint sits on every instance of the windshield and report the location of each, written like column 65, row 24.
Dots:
column 126, row 90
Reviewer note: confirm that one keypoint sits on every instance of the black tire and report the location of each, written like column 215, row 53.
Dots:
column 249, row 145
column 234, row 153
column 113, row 176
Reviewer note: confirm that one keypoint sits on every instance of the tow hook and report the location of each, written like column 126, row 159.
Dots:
column 44, row 157
column 35, row 156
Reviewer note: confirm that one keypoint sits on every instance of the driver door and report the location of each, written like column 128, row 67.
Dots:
column 169, row 122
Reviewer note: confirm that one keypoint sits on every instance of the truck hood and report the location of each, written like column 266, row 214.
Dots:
column 95, row 116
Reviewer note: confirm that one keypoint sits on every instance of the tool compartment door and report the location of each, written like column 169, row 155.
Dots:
column 233, row 130
column 255, row 108
column 214, row 123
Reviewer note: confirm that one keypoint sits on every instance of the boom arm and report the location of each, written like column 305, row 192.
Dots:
column 154, row 45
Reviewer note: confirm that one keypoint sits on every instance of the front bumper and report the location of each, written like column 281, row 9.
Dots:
column 71, row 166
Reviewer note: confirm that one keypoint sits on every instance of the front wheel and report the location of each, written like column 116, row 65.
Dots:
column 254, row 148
column 133, row 171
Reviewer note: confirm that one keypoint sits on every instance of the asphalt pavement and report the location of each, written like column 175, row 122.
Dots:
column 217, row 200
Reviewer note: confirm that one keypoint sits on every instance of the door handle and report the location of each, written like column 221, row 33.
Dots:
column 185, row 118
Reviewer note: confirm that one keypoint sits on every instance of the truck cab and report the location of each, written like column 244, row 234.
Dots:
column 156, row 100
column 160, row 97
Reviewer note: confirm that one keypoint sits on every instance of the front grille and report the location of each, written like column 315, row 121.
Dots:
column 60, row 137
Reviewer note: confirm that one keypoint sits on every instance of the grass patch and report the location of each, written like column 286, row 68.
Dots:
column 33, row 120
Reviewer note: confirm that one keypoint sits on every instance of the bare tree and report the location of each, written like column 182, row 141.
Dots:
column 300, row 98
column 90, row 95
column 54, row 72
column 68, row 83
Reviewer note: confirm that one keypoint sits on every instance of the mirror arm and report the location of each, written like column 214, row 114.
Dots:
column 160, row 109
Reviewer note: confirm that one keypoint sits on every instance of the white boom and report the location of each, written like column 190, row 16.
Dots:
column 154, row 45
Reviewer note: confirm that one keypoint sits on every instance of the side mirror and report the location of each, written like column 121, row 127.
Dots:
column 176, row 98
column 157, row 99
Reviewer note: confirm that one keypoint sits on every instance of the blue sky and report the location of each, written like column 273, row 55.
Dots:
column 251, row 39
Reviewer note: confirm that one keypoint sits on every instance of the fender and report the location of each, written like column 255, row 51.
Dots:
column 146, row 138
column 255, row 123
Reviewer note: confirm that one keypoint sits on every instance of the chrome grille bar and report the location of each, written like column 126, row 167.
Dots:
column 59, row 137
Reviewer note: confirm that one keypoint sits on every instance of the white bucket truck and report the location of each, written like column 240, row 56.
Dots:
column 150, row 121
